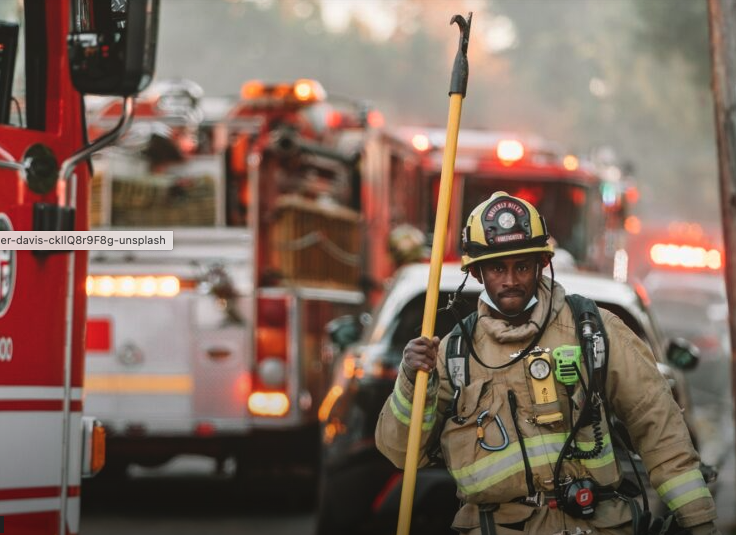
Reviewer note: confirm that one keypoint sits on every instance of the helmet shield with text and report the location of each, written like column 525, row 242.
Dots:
column 503, row 226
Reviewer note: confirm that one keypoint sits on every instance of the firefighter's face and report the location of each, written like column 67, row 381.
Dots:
column 510, row 281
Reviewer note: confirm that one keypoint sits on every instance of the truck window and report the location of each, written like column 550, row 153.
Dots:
column 23, row 65
column 408, row 324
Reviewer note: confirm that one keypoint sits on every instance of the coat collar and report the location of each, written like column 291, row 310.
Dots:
column 503, row 332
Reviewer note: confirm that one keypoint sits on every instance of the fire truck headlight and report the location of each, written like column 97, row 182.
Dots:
column 272, row 372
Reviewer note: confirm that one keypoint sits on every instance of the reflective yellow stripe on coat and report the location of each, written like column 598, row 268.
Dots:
column 541, row 450
column 401, row 409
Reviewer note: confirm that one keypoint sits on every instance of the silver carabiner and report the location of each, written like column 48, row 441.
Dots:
column 481, row 433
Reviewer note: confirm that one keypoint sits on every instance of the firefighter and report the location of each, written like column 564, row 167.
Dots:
column 529, row 447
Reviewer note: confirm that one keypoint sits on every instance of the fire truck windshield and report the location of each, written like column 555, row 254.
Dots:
column 566, row 207
column 176, row 195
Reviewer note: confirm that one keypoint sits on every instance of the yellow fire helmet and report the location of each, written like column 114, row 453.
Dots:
column 503, row 226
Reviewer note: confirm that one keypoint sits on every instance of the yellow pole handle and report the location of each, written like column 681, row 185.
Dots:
column 430, row 309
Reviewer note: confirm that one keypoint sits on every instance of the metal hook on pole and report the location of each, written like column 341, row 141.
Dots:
column 460, row 69
column 458, row 86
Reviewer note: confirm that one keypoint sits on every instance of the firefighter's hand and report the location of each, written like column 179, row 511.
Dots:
column 420, row 354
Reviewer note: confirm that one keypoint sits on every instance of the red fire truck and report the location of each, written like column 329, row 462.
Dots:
column 50, row 53
column 585, row 205
column 280, row 205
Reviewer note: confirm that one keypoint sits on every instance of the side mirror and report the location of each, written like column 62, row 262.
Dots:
column 112, row 45
column 682, row 354
column 344, row 330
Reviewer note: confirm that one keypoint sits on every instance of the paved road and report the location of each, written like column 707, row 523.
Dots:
column 185, row 499
column 714, row 421
column 726, row 496
column 190, row 502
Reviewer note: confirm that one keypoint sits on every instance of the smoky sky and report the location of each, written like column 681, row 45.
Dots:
column 588, row 75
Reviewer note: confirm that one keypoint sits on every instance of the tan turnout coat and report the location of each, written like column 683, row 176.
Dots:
column 637, row 394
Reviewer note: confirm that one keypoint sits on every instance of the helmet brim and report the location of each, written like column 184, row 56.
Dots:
column 468, row 261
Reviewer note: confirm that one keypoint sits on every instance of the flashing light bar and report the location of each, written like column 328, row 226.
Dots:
column 570, row 162
column 135, row 286
column 632, row 225
column 685, row 256
column 509, row 151
column 375, row 119
column 302, row 90
column 252, row 89
column 308, row 90
column 610, row 194
column 337, row 119
column 420, row 142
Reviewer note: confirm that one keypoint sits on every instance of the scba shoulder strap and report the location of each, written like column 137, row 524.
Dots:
column 459, row 347
column 458, row 350
column 582, row 308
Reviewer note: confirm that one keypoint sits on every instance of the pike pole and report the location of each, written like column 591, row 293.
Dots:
column 458, row 86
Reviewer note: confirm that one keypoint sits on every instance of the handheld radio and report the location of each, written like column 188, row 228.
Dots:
column 567, row 364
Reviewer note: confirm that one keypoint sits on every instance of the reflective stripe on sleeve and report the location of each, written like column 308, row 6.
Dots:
column 401, row 409
column 683, row 489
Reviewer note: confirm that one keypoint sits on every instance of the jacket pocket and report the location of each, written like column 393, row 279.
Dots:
column 459, row 437
column 482, row 450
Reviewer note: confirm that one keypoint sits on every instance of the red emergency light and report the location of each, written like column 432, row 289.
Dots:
column 334, row 119
column 571, row 162
column 375, row 119
column 269, row 396
column 685, row 256
column 420, row 142
column 303, row 91
column 509, row 151
column 632, row 225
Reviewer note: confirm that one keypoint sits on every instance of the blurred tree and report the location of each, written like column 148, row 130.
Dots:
column 605, row 78
column 628, row 74
column 679, row 31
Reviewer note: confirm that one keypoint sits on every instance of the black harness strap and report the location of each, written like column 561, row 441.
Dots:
column 487, row 525
column 581, row 306
column 456, row 360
